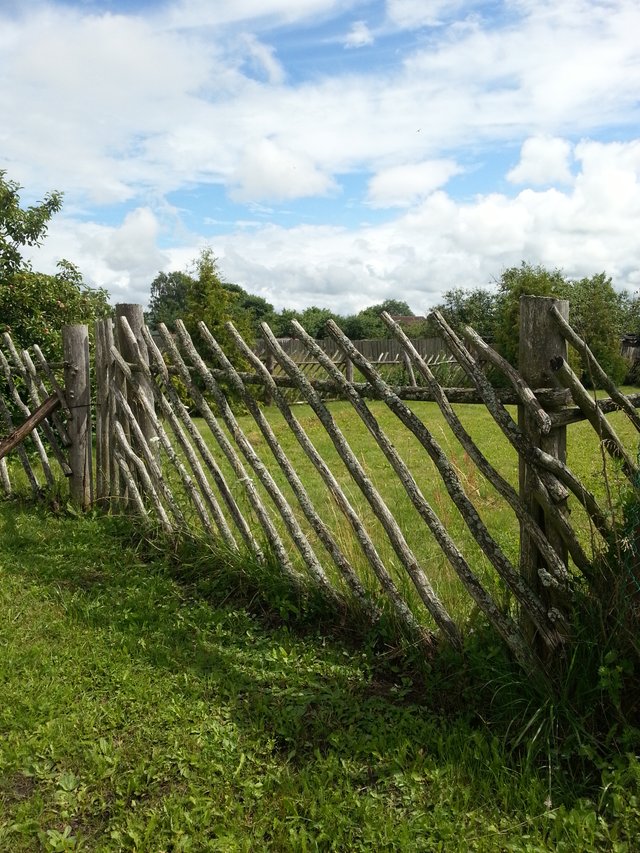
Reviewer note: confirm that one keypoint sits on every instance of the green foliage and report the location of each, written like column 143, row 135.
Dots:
column 170, row 292
column 515, row 282
column 35, row 306
column 208, row 300
column 477, row 307
column 21, row 228
column 254, row 309
column 597, row 313
column 367, row 323
column 168, row 301
column 281, row 322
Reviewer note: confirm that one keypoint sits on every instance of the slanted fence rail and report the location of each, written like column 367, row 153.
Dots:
column 182, row 439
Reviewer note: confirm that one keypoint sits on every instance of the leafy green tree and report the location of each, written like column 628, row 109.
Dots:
column 630, row 312
column 281, row 323
column 314, row 319
column 168, row 301
column 35, row 306
column 169, row 297
column 252, row 308
column 208, row 299
column 515, row 282
column 597, row 314
column 353, row 327
column 477, row 307
column 20, row 228
column 395, row 307
column 367, row 323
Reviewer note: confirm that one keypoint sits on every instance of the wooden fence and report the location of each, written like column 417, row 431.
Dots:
column 388, row 355
column 170, row 446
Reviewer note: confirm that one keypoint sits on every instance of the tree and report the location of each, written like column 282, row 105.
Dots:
column 395, row 307
column 314, row 319
column 169, row 296
column 281, row 324
column 168, row 301
column 597, row 313
column 353, row 327
column 208, row 299
column 477, row 308
column 35, row 306
column 368, row 324
column 254, row 309
column 515, row 282
column 20, row 228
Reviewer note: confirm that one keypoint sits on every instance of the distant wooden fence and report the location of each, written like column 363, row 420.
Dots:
column 155, row 457
column 387, row 354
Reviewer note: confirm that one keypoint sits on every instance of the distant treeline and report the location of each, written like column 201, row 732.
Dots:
column 598, row 312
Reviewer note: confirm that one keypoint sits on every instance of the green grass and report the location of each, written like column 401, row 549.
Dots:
column 144, row 713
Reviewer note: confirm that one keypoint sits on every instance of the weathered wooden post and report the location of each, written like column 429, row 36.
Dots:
column 107, row 470
column 269, row 363
column 75, row 342
column 134, row 314
column 540, row 341
column 348, row 370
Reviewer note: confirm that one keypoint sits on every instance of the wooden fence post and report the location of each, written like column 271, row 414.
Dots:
column 540, row 341
column 75, row 342
column 107, row 470
column 270, row 363
column 134, row 315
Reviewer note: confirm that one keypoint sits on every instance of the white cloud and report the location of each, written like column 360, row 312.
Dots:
column 441, row 243
column 269, row 171
column 590, row 227
column 359, row 35
column 264, row 57
column 199, row 13
column 421, row 13
column 543, row 160
column 124, row 259
column 129, row 108
column 123, row 105
column 402, row 186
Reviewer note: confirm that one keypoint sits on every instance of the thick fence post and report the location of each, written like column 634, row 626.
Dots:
column 75, row 342
column 134, row 315
column 540, row 341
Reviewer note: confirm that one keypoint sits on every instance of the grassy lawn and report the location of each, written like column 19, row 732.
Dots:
column 143, row 713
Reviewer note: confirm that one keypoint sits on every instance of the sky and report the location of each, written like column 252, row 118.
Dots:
column 331, row 152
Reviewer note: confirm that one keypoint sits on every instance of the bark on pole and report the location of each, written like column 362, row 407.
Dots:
column 75, row 342
column 134, row 315
column 540, row 342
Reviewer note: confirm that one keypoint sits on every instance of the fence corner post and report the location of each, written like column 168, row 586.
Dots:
column 540, row 341
column 77, row 380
